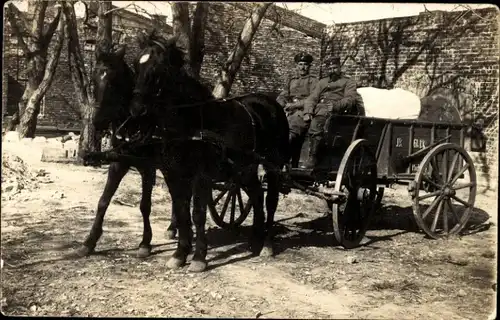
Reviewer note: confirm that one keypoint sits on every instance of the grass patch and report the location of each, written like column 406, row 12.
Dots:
column 403, row 285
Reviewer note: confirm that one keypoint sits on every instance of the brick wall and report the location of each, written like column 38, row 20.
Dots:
column 269, row 62
column 455, row 50
column 270, row 58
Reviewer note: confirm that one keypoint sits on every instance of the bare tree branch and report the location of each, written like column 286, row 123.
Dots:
column 87, row 17
column 181, row 25
column 140, row 10
column 104, row 25
column 469, row 9
column 118, row 8
column 19, row 26
column 80, row 79
column 234, row 60
column 40, row 75
column 50, row 30
column 51, row 66
column 38, row 19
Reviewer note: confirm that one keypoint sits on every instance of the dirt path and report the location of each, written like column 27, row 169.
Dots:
column 399, row 275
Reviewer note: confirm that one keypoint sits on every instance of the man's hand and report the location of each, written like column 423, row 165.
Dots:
column 292, row 106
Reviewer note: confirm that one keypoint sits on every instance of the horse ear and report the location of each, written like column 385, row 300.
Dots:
column 120, row 51
column 103, row 47
column 153, row 33
column 142, row 40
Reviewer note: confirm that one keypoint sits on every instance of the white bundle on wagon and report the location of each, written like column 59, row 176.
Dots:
column 390, row 104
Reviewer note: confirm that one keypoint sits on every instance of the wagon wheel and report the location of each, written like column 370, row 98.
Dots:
column 229, row 195
column 357, row 179
column 444, row 191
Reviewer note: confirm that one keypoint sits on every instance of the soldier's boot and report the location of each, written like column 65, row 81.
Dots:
column 313, row 152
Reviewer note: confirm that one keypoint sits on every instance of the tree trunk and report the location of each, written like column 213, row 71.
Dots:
column 198, row 37
column 75, row 58
column 233, row 63
column 89, row 140
column 40, row 72
column 181, row 28
column 29, row 118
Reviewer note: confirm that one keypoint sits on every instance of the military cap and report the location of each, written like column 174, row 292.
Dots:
column 302, row 56
column 332, row 60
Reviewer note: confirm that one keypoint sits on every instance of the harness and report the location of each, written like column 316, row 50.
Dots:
column 252, row 121
column 202, row 134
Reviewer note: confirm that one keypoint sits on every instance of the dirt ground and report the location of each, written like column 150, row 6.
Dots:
column 399, row 274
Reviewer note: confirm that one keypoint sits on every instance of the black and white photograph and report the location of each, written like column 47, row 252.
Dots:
column 293, row 160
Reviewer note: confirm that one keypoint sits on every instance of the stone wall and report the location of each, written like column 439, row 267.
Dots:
column 455, row 50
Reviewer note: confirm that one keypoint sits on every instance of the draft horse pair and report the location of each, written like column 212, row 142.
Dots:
column 201, row 139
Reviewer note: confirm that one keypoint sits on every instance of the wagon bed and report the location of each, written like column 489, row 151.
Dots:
column 361, row 155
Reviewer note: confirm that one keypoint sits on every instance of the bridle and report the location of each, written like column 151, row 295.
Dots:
column 136, row 92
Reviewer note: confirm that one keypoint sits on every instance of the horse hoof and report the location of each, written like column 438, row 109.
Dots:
column 171, row 234
column 175, row 263
column 267, row 251
column 197, row 266
column 255, row 247
column 143, row 252
column 83, row 251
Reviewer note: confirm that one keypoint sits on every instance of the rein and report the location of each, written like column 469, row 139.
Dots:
column 196, row 104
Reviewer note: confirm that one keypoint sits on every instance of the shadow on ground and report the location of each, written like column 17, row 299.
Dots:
column 318, row 232
column 394, row 217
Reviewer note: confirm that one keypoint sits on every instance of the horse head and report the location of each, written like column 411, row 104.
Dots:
column 157, row 67
column 113, row 82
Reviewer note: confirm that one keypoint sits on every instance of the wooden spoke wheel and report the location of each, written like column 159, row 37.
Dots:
column 444, row 191
column 227, row 195
column 357, row 179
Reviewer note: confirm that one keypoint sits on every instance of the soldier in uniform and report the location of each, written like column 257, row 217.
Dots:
column 292, row 99
column 333, row 94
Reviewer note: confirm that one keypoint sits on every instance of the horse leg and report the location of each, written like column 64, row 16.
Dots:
column 272, row 198
column 116, row 172
column 201, row 197
column 256, row 195
column 172, row 227
column 180, row 191
column 148, row 176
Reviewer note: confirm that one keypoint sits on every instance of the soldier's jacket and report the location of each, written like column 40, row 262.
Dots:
column 331, row 95
column 297, row 89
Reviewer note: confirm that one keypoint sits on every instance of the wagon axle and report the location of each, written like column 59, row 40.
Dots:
column 449, row 192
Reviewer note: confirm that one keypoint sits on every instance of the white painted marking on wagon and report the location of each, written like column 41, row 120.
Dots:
column 399, row 142
column 144, row 58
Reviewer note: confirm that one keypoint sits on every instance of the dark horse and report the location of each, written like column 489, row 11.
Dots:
column 114, row 82
column 207, row 139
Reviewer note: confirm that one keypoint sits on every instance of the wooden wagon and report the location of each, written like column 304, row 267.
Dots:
column 358, row 158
